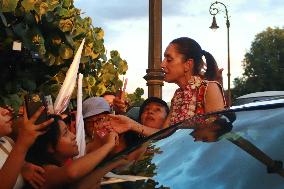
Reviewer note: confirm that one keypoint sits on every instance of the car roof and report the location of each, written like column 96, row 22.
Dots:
column 263, row 94
column 259, row 96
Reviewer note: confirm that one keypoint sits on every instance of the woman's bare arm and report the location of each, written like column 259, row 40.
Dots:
column 214, row 100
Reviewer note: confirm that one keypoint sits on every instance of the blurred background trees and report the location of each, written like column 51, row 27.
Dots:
column 263, row 64
column 50, row 32
column 135, row 99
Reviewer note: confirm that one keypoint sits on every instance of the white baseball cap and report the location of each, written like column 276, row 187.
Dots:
column 94, row 106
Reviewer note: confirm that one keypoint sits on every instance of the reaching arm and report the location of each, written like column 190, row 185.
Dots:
column 94, row 179
column 142, row 129
column 80, row 167
column 121, row 124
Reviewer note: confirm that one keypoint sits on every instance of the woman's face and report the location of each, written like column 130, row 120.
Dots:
column 173, row 65
column 67, row 145
column 6, row 120
column 154, row 115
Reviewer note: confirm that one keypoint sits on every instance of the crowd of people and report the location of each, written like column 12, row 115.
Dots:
column 43, row 155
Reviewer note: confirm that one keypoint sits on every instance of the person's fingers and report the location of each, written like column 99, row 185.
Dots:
column 44, row 124
column 39, row 179
column 37, row 114
column 39, row 169
column 40, row 132
column 34, row 184
column 25, row 112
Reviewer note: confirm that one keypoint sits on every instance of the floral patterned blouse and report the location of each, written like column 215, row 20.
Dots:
column 189, row 101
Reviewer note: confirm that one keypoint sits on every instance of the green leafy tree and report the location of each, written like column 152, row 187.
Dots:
column 135, row 99
column 51, row 31
column 263, row 64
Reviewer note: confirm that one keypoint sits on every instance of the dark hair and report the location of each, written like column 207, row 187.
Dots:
column 150, row 100
column 38, row 152
column 190, row 49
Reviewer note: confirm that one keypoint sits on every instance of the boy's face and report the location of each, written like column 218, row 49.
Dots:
column 154, row 115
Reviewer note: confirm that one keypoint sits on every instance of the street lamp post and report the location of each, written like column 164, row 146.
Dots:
column 213, row 10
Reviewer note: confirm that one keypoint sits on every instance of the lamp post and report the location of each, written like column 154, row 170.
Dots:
column 213, row 10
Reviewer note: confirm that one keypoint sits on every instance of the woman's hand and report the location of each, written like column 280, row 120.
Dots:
column 119, row 123
column 33, row 174
column 29, row 131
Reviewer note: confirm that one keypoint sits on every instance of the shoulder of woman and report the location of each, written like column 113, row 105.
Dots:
column 214, row 85
column 214, row 97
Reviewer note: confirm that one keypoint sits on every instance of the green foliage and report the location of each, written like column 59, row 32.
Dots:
column 8, row 5
column 263, row 64
column 53, row 29
column 136, row 99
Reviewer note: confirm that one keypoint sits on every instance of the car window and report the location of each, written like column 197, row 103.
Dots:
column 239, row 148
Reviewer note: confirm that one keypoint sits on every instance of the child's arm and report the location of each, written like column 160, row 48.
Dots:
column 79, row 167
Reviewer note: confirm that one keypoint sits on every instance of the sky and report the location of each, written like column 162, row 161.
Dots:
column 126, row 26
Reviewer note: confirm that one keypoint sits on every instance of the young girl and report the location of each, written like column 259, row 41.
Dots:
column 55, row 149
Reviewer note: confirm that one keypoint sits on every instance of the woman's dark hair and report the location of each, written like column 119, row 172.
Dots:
column 38, row 152
column 190, row 49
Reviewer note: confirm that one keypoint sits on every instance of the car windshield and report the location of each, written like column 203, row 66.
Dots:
column 237, row 148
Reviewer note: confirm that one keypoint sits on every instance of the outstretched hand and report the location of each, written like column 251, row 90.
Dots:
column 29, row 131
column 119, row 123
column 33, row 174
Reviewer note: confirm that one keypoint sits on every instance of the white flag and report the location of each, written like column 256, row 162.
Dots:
column 64, row 95
column 80, row 132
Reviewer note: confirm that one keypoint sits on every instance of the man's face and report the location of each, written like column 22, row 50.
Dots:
column 94, row 125
column 154, row 115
